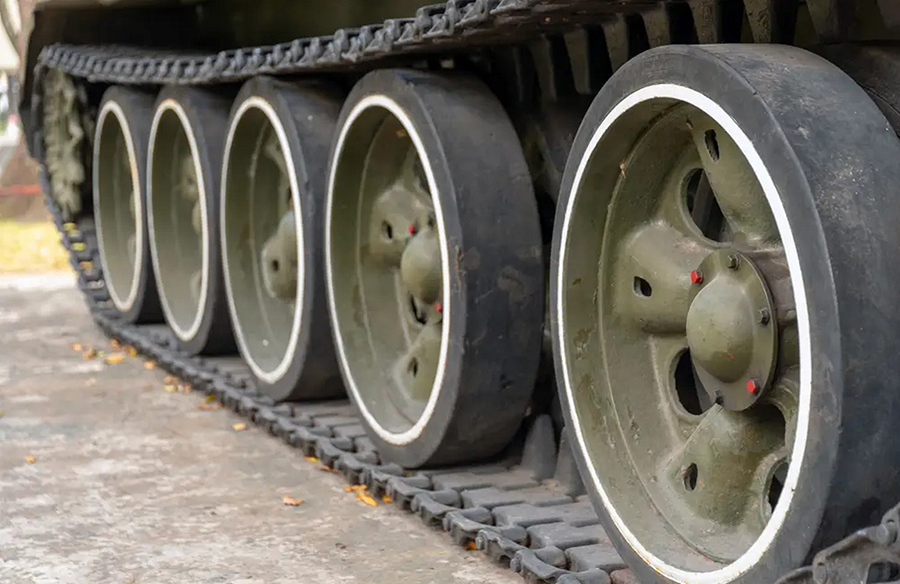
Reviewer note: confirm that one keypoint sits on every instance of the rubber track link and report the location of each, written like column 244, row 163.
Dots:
column 530, row 510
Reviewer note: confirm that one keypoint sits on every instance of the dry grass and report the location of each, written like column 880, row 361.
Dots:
column 31, row 247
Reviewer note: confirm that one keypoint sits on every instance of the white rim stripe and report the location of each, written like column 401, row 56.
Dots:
column 398, row 438
column 268, row 376
column 184, row 335
column 125, row 305
column 754, row 554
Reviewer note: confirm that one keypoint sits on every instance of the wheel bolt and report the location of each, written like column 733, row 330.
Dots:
column 412, row 229
column 764, row 316
column 752, row 387
column 733, row 262
column 696, row 277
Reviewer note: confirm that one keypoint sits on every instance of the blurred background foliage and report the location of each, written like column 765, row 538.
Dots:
column 29, row 241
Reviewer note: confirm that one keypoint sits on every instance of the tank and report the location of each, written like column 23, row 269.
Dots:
column 608, row 284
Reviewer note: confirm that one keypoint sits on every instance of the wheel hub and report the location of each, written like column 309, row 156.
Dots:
column 420, row 266
column 279, row 260
column 730, row 332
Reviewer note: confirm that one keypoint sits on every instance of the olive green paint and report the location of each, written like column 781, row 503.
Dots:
column 667, row 192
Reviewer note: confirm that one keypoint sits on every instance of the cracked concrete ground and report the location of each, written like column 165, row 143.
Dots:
column 131, row 484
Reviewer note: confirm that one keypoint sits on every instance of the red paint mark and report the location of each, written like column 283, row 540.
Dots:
column 696, row 277
column 752, row 387
column 411, row 229
column 439, row 307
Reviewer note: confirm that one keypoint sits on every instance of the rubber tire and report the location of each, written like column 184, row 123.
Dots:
column 492, row 230
column 207, row 114
column 849, row 249
column 308, row 112
column 874, row 68
column 138, row 108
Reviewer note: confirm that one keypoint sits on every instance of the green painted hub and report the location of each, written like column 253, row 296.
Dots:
column 279, row 260
column 178, row 235
column 117, row 217
column 386, row 269
column 420, row 266
column 730, row 333
column 261, row 242
column 688, row 252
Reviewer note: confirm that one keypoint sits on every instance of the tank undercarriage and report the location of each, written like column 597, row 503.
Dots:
column 637, row 256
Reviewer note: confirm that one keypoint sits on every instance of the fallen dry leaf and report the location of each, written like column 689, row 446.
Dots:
column 239, row 427
column 30, row 459
column 115, row 358
column 78, row 246
column 470, row 546
column 209, row 407
column 170, row 388
column 185, row 388
column 69, row 226
column 170, row 380
column 386, row 499
column 291, row 501
column 366, row 498
column 89, row 354
column 115, row 344
column 132, row 352
column 86, row 266
column 148, row 365
column 310, row 459
column 326, row 469
column 354, row 488
column 209, row 399
column 77, row 347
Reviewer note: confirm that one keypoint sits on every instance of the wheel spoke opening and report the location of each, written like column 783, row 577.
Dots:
column 747, row 218
column 704, row 209
column 691, row 395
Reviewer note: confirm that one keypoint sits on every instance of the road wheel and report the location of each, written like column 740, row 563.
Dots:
column 120, row 158
column 434, row 266
column 186, row 143
column 725, row 313
column 273, row 194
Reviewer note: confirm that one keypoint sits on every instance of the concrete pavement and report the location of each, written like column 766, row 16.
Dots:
column 133, row 484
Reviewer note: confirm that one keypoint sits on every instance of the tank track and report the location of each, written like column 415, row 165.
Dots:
column 527, row 509
column 455, row 24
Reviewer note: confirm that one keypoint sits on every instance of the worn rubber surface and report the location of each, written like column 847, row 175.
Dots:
column 842, row 223
column 874, row 68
